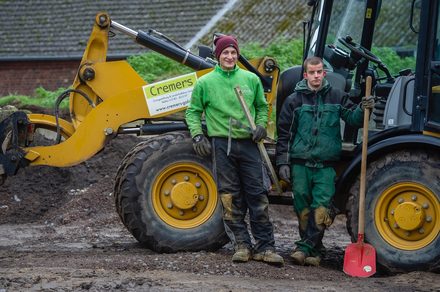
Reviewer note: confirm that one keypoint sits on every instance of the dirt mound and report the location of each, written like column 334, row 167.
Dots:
column 39, row 192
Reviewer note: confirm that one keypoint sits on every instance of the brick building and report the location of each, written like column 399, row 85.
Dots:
column 42, row 42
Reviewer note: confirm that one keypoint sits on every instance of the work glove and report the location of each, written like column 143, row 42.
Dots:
column 259, row 133
column 367, row 102
column 201, row 145
column 284, row 172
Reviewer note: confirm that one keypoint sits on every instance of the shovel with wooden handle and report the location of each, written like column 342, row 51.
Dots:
column 260, row 144
column 360, row 257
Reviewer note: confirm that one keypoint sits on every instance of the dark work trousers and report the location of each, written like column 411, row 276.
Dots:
column 240, row 181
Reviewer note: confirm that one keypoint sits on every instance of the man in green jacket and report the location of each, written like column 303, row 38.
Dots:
column 309, row 143
column 237, row 162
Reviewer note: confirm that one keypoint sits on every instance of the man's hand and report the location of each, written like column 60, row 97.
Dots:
column 201, row 145
column 367, row 102
column 284, row 172
column 259, row 133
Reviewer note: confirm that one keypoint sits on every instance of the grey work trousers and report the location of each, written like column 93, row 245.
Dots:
column 240, row 179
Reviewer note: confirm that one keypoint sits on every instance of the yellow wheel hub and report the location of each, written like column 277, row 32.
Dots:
column 184, row 195
column 408, row 216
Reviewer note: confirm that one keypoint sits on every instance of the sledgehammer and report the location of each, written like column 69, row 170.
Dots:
column 260, row 144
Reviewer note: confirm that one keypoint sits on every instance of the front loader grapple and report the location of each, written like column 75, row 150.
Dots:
column 13, row 136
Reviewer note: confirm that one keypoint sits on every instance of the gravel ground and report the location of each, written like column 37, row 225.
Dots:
column 59, row 231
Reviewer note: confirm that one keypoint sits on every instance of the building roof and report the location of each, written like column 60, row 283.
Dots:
column 61, row 28
column 263, row 21
column 41, row 29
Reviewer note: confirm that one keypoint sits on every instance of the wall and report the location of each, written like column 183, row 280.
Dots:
column 25, row 76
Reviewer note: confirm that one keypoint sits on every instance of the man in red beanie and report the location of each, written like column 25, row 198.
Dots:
column 239, row 169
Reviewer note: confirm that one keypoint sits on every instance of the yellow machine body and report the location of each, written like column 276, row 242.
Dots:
column 116, row 93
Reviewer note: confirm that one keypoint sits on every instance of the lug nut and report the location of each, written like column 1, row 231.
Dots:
column 186, row 178
column 194, row 209
column 400, row 200
column 198, row 185
column 108, row 131
column 421, row 230
column 396, row 226
column 170, row 206
column 425, row 206
column 181, row 213
column 201, row 197
column 407, row 233
column 173, row 181
column 414, row 197
column 167, row 193
column 428, row 219
column 392, row 212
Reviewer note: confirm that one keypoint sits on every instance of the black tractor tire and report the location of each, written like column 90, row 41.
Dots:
column 152, row 196
column 148, row 147
column 402, row 210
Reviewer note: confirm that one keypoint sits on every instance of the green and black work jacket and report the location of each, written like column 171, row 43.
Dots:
column 309, row 130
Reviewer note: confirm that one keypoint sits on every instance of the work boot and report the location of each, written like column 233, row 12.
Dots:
column 242, row 255
column 312, row 261
column 298, row 257
column 270, row 257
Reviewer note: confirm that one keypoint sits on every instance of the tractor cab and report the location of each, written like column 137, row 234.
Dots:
column 381, row 39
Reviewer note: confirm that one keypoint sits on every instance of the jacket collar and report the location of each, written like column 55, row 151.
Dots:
column 304, row 88
column 226, row 72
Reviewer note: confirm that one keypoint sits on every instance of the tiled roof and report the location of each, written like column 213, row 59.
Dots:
column 60, row 28
column 263, row 21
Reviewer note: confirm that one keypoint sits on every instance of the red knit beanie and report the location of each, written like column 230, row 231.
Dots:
column 224, row 42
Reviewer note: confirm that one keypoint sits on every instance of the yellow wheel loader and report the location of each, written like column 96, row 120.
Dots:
column 166, row 195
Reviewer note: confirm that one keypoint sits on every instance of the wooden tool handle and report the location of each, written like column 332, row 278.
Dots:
column 361, row 221
column 260, row 144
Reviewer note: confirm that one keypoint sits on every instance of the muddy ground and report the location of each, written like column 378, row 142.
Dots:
column 59, row 231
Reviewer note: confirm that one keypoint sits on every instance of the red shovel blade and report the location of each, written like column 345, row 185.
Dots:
column 360, row 260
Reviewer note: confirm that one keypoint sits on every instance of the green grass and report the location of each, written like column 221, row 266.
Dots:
column 41, row 97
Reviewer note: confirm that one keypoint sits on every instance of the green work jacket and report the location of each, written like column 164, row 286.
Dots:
column 214, row 96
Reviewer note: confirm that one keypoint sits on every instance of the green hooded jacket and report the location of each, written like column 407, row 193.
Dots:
column 309, row 125
column 214, row 95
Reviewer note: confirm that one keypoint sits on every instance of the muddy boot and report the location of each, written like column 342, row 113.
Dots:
column 298, row 257
column 312, row 261
column 270, row 257
column 242, row 255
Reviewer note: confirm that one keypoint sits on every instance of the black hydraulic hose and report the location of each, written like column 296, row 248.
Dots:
column 58, row 101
